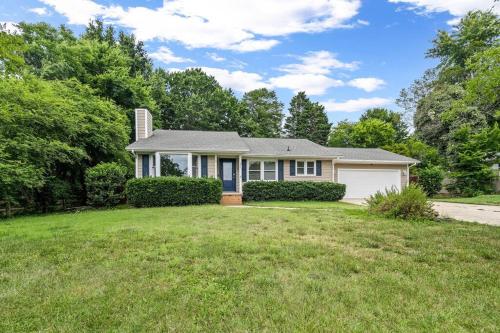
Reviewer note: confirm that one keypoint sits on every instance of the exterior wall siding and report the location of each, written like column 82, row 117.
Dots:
column 326, row 174
column 211, row 166
column 404, row 175
column 143, row 123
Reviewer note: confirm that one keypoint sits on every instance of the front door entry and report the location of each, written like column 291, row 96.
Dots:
column 227, row 171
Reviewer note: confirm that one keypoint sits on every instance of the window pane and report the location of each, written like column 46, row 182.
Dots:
column 300, row 164
column 269, row 165
column 254, row 175
column 194, row 169
column 310, row 168
column 254, row 165
column 227, row 170
column 270, row 175
column 173, row 165
column 300, row 171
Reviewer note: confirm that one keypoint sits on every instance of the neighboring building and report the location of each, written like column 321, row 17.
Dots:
column 236, row 160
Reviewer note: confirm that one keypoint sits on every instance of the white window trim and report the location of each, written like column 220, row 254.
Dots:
column 261, row 169
column 305, row 174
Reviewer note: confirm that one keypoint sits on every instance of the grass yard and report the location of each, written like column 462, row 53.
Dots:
column 213, row 269
column 488, row 199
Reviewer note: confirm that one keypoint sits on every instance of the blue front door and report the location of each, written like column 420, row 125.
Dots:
column 227, row 171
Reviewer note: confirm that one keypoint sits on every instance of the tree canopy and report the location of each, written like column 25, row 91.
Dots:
column 307, row 120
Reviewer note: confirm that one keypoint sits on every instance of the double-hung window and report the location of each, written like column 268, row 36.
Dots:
column 306, row 168
column 254, row 170
column 262, row 170
column 269, row 170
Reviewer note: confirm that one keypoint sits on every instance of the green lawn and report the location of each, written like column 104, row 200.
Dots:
column 214, row 269
column 491, row 199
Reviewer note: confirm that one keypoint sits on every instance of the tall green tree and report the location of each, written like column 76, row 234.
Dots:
column 11, row 52
column 470, row 158
column 193, row 100
column 341, row 135
column 428, row 121
column 113, row 68
column 376, row 127
column 395, row 119
column 307, row 120
column 450, row 95
column 264, row 113
column 477, row 31
column 53, row 131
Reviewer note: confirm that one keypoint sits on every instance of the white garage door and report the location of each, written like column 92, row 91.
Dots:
column 361, row 183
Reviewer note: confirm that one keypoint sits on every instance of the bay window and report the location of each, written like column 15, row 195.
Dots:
column 262, row 170
column 305, row 168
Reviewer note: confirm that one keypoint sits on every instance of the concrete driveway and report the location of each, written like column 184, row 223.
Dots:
column 465, row 212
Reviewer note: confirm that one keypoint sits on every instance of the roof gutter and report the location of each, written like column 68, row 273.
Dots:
column 373, row 161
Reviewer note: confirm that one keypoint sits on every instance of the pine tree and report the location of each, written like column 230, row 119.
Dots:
column 307, row 120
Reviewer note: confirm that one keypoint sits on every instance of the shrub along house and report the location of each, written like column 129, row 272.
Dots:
column 236, row 160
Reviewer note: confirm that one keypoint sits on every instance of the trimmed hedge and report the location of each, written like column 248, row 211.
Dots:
column 293, row 191
column 173, row 191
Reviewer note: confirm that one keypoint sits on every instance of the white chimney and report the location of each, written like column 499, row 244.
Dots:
column 143, row 124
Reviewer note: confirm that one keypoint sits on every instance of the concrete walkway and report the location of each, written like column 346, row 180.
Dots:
column 471, row 213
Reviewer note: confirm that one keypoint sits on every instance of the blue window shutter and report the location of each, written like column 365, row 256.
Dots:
column 204, row 166
column 292, row 167
column 244, row 170
column 318, row 168
column 145, row 165
column 281, row 170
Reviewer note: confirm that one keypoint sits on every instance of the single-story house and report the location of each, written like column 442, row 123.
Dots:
column 237, row 160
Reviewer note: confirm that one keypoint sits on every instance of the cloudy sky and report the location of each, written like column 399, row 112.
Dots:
column 346, row 54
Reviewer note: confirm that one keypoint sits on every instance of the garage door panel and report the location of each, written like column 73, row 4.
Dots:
column 361, row 183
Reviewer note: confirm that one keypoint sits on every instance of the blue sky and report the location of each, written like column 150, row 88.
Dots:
column 346, row 54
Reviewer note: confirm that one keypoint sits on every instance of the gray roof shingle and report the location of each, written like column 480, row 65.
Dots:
column 286, row 147
column 211, row 141
column 198, row 141
column 370, row 154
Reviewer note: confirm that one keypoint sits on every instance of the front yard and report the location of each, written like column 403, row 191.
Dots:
column 487, row 199
column 213, row 268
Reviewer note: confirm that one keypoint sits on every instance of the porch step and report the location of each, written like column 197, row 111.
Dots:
column 231, row 199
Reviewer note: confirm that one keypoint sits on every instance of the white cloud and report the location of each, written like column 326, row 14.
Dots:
column 457, row 8
column 40, row 11
column 215, row 57
column 318, row 62
column 363, row 22
column 238, row 25
column 10, row 27
column 355, row 105
column 77, row 12
column 368, row 84
column 237, row 80
column 312, row 84
column 311, row 73
column 165, row 55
